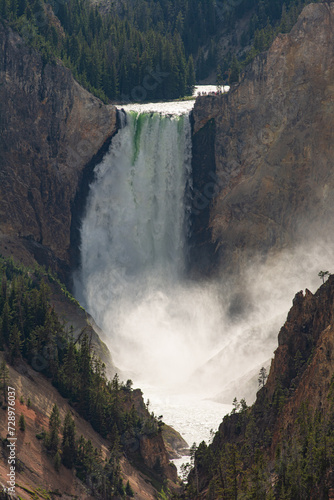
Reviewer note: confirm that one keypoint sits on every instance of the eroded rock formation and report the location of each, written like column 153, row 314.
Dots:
column 272, row 146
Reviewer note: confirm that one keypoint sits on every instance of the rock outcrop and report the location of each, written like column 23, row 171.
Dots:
column 303, row 362
column 155, row 456
column 269, row 145
column 50, row 131
column 299, row 385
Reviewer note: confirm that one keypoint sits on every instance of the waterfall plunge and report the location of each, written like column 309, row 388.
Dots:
column 160, row 327
column 133, row 250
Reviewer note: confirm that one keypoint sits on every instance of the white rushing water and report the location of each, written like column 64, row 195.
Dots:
column 159, row 327
column 173, row 107
column 133, row 254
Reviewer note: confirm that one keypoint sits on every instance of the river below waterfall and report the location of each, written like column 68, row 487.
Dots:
column 193, row 417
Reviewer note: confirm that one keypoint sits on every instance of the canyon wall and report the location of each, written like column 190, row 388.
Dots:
column 268, row 178
column 50, row 131
column 299, row 386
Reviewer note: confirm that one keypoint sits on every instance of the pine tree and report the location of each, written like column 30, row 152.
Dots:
column 13, row 9
column 234, row 70
column 68, row 373
column 85, row 374
column 128, row 490
column 284, row 24
column 57, row 461
column 190, row 76
column 3, row 292
column 4, row 378
column 22, row 423
column 54, row 427
column 68, row 443
column 262, row 377
column 22, row 5
column 6, row 323
column 219, row 78
column 15, row 344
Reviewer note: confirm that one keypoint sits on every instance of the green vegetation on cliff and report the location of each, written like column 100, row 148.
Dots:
column 143, row 52
column 30, row 330
column 241, row 466
column 252, row 27
column 149, row 49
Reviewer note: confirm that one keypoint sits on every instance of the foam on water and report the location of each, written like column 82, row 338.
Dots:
column 158, row 326
column 171, row 107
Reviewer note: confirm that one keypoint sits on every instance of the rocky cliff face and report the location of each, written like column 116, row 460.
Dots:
column 299, row 392
column 155, row 456
column 269, row 146
column 303, row 361
column 51, row 129
column 303, row 365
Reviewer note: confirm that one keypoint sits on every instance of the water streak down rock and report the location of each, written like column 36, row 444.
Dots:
column 273, row 150
column 50, row 129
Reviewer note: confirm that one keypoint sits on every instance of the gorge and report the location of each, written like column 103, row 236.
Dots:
column 182, row 339
column 192, row 231
column 209, row 330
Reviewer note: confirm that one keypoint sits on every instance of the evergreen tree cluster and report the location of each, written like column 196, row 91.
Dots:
column 142, row 51
column 263, row 13
column 102, row 475
column 243, row 466
column 30, row 330
column 147, row 49
column 267, row 19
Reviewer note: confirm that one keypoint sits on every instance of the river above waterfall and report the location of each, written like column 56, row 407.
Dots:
column 179, row 107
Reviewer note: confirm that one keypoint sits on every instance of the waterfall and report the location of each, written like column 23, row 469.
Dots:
column 176, row 338
column 161, row 327
column 137, row 209
column 134, row 247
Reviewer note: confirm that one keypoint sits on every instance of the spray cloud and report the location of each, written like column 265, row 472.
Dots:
column 160, row 327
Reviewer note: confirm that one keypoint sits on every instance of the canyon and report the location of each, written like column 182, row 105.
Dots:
column 262, row 184
column 252, row 147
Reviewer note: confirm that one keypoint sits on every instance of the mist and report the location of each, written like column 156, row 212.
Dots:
column 178, row 335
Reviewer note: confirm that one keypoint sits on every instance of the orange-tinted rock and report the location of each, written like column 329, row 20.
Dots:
column 50, row 129
column 272, row 146
column 155, row 456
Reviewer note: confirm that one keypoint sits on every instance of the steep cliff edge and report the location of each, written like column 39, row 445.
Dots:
column 269, row 173
column 50, row 131
column 42, row 363
column 288, row 433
